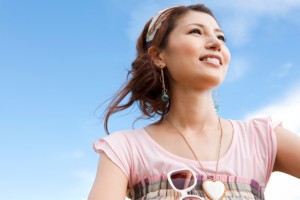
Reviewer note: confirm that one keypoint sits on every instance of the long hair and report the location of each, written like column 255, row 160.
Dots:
column 143, row 83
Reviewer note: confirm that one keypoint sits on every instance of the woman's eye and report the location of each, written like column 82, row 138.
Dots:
column 221, row 37
column 196, row 30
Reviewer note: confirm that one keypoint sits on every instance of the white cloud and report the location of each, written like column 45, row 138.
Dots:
column 85, row 181
column 285, row 110
column 237, row 28
column 282, row 186
column 77, row 154
column 283, row 71
column 73, row 154
column 257, row 7
column 86, row 176
column 145, row 11
column 139, row 17
column 237, row 68
column 238, row 18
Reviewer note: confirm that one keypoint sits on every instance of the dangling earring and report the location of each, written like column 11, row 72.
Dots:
column 164, row 96
column 216, row 100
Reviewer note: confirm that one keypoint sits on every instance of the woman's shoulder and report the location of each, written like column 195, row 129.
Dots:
column 118, row 143
column 257, row 128
column 124, row 137
column 256, row 122
column 132, row 132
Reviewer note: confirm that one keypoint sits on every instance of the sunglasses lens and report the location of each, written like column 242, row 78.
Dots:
column 182, row 180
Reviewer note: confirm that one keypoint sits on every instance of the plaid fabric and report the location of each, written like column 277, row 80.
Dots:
column 159, row 188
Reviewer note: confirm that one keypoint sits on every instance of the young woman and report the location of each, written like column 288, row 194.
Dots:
column 190, row 153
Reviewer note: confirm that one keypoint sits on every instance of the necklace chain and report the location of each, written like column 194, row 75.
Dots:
column 195, row 156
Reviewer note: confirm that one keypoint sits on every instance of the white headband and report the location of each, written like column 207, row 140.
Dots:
column 154, row 25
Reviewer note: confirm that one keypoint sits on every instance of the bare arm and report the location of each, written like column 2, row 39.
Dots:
column 288, row 152
column 110, row 183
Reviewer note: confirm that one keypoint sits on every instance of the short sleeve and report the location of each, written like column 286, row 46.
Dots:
column 116, row 148
column 272, row 145
column 266, row 134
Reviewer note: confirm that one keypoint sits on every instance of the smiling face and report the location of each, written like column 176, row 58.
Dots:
column 196, row 55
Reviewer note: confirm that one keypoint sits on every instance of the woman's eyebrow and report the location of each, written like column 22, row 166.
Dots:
column 203, row 26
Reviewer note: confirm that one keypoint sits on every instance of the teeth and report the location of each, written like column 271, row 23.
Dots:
column 213, row 60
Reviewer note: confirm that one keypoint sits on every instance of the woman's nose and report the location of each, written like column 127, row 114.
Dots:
column 213, row 43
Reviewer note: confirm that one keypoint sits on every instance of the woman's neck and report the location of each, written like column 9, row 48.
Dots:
column 192, row 111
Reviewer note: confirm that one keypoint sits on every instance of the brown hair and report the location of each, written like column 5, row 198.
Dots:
column 143, row 80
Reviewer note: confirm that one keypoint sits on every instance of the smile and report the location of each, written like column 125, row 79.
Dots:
column 214, row 59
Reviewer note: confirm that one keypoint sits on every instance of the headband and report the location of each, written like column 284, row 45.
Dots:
column 156, row 23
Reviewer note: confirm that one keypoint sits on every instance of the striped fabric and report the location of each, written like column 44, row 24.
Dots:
column 159, row 188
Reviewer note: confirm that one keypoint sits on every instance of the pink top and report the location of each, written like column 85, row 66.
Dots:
column 251, row 155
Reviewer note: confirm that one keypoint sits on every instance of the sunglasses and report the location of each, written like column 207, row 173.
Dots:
column 184, row 180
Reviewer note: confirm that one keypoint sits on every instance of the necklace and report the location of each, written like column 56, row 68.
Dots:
column 213, row 189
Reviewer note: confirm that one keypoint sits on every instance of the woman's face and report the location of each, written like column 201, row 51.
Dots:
column 196, row 55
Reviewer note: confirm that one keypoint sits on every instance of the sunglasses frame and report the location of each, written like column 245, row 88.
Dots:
column 184, row 192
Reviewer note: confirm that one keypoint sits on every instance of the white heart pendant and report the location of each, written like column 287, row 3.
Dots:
column 214, row 190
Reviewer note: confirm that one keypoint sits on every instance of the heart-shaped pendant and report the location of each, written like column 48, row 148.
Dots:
column 214, row 190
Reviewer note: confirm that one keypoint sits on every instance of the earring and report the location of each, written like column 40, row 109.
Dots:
column 216, row 100
column 164, row 96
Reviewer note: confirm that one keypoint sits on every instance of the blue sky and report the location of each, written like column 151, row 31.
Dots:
column 61, row 60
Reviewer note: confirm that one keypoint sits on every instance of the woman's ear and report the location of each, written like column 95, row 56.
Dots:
column 157, row 56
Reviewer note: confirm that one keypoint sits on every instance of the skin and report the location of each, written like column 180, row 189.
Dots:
column 195, row 36
column 110, row 182
column 192, row 112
